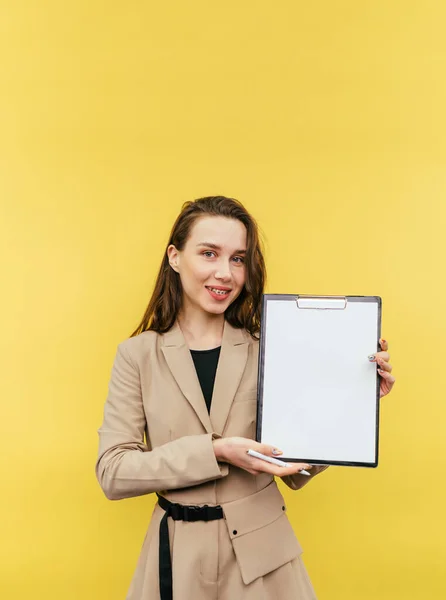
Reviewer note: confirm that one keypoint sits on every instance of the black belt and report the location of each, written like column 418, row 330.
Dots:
column 178, row 512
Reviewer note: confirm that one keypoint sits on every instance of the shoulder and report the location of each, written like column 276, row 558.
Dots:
column 254, row 341
column 138, row 347
column 254, row 346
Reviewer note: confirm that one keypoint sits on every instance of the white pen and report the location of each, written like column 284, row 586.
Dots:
column 274, row 461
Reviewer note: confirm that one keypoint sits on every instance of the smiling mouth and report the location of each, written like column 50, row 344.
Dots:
column 219, row 292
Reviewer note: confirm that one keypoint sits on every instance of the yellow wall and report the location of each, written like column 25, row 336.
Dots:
column 327, row 119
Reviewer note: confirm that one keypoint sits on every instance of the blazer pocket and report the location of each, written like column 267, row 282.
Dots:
column 261, row 534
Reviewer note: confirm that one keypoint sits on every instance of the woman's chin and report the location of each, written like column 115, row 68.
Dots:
column 216, row 309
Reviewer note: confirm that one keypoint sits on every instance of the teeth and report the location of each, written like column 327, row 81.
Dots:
column 221, row 292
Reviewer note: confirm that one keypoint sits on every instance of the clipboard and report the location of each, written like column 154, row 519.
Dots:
column 318, row 394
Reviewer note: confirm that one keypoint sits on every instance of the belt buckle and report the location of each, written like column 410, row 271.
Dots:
column 193, row 513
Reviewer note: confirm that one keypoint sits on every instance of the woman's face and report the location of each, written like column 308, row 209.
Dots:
column 211, row 265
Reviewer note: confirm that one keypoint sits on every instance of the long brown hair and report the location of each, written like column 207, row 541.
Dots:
column 167, row 295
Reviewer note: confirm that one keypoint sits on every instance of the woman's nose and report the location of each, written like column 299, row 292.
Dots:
column 222, row 277
column 223, row 273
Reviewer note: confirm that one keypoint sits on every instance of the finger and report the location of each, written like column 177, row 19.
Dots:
column 384, row 355
column 269, row 450
column 387, row 376
column 253, row 471
column 385, row 366
column 384, row 344
column 274, row 452
column 267, row 467
column 293, row 470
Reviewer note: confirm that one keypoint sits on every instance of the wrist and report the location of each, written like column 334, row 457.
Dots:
column 219, row 446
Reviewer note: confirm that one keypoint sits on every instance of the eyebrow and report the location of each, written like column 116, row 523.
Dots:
column 216, row 247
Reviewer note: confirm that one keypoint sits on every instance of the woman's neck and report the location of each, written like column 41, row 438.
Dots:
column 201, row 332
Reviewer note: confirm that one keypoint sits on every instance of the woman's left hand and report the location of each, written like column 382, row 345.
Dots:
column 386, row 379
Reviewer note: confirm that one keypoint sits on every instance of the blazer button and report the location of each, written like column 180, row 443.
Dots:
column 235, row 532
column 283, row 508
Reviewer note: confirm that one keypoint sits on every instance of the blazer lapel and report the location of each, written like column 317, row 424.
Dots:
column 179, row 360
column 231, row 365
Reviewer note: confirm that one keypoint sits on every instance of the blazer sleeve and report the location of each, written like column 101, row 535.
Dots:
column 295, row 482
column 125, row 465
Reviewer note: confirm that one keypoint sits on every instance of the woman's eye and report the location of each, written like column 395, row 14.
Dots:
column 238, row 259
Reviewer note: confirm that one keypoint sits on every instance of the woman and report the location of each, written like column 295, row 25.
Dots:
column 186, row 379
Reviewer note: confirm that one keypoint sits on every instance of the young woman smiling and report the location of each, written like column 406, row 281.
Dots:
column 181, row 414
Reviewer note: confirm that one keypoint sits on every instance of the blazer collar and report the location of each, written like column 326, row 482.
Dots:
column 231, row 365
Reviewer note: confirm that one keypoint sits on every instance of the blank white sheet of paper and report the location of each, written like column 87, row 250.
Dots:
column 318, row 390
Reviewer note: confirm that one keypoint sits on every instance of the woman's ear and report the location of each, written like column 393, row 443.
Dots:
column 173, row 256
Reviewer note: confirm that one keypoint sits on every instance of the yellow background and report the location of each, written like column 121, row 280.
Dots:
column 327, row 119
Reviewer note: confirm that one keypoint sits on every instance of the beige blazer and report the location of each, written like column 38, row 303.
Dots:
column 156, row 436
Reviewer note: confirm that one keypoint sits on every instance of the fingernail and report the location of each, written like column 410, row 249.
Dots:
column 276, row 451
column 371, row 357
column 380, row 371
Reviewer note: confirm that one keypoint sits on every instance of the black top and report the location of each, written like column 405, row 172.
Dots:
column 205, row 362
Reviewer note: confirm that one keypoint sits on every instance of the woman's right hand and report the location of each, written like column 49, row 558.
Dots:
column 234, row 450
